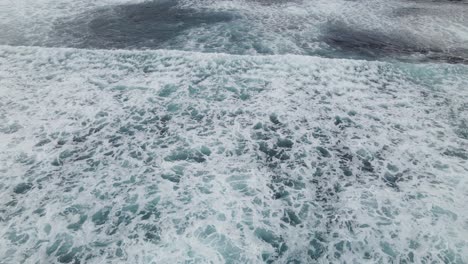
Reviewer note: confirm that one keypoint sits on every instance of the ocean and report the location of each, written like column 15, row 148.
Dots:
column 241, row 131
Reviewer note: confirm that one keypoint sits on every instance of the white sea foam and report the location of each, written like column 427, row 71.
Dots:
column 167, row 156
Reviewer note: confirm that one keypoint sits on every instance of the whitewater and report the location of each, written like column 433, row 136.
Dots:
column 235, row 131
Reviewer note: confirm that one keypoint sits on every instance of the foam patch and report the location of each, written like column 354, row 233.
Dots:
column 167, row 156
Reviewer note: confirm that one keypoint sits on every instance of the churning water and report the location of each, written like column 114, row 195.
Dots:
column 241, row 131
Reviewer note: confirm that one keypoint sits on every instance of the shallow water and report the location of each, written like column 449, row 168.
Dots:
column 347, row 145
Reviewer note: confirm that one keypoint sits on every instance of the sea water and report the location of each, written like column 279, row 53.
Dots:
column 233, row 131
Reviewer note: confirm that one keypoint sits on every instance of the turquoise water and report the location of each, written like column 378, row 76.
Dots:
column 154, row 155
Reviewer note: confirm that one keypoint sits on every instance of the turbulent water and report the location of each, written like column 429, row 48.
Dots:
column 256, row 131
